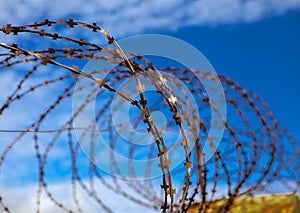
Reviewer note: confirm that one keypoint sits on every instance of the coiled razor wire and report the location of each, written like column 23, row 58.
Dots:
column 256, row 154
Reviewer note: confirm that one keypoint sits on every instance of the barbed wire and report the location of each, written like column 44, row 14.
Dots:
column 255, row 153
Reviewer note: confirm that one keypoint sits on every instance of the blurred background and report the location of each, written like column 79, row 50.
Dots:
column 254, row 42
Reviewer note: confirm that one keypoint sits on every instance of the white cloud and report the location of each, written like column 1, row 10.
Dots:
column 23, row 199
column 132, row 16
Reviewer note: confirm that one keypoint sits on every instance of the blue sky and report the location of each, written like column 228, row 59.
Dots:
column 262, row 56
column 256, row 43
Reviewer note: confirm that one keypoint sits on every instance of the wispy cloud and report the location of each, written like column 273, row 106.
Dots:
column 133, row 16
column 23, row 199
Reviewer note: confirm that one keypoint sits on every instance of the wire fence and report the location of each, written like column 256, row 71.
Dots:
column 256, row 155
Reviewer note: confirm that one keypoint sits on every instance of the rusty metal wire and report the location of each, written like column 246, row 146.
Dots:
column 255, row 153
